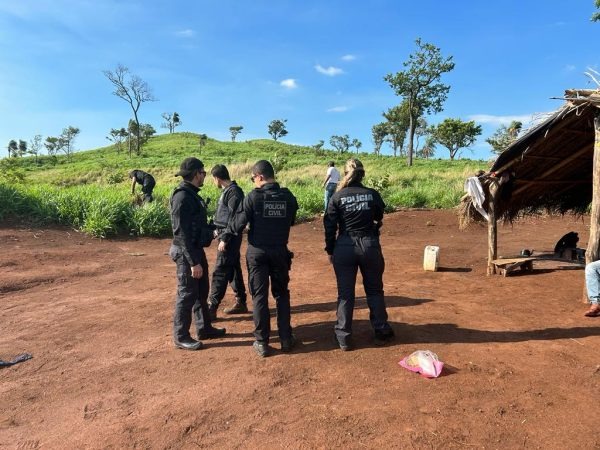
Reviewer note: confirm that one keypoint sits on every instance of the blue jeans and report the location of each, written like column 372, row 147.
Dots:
column 592, row 282
column 329, row 191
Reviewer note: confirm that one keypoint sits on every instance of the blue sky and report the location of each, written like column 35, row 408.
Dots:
column 318, row 64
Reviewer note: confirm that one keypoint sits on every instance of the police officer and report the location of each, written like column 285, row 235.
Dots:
column 355, row 213
column 145, row 180
column 227, row 267
column 191, row 233
column 271, row 211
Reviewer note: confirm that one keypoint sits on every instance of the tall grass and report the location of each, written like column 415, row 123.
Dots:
column 91, row 191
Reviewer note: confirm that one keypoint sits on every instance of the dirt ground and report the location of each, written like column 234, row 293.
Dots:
column 522, row 366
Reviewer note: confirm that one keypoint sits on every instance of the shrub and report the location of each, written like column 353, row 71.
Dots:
column 115, row 178
column 151, row 219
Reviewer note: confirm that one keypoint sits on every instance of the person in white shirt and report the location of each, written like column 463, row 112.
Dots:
column 331, row 181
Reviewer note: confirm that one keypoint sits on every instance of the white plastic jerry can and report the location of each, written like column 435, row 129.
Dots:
column 431, row 258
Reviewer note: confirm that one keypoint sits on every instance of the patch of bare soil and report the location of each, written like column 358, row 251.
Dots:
column 522, row 366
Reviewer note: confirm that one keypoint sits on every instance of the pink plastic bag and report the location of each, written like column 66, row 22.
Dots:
column 424, row 362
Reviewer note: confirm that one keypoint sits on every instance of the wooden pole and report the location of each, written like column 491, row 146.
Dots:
column 492, row 227
column 592, row 251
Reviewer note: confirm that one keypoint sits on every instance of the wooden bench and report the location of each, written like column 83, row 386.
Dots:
column 504, row 266
column 507, row 265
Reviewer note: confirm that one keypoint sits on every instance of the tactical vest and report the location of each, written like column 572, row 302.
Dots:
column 274, row 210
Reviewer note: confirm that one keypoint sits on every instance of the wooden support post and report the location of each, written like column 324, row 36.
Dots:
column 592, row 252
column 492, row 227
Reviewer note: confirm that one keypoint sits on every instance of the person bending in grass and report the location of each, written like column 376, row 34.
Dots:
column 145, row 180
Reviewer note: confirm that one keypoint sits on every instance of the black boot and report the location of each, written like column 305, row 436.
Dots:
column 211, row 333
column 240, row 307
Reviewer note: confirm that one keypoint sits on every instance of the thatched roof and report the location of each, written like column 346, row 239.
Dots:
column 549, row 167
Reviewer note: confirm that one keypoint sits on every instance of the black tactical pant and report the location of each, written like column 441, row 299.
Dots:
column 272, row 263
column 228, row 269
column 191, row 298
column 350, row 254
column 147, row 189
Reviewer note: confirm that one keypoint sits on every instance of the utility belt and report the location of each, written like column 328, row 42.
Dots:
column 361, row 234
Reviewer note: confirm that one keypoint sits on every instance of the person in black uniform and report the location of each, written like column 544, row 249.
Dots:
column 145, row 180
column 191, row 233
column 355, row 213
column 271, row 211
column 228, row 269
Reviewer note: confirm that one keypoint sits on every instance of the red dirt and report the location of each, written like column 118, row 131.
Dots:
column 522, row 366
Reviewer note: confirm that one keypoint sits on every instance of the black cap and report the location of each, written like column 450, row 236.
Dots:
column 189, row 166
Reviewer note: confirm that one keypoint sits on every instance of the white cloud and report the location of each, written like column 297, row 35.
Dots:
column 187, row 33
column 500, row 120
column 329, row 71
column 338, row 109
column 569, row 68
column 289, row 83
column 348, row 57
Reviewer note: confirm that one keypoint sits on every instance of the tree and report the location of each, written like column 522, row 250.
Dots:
column 138, row 135
column 12, row 148
column 515, row 128
column 422, row 129
column 52, row 145
column 117, row 136
column 340, row 143
column 235, row 131
column 596, row 15
column 428, row 149
column 67, row 139
column 420, row 85
column 22, row 147
column 504, row 136
column 379, row 133
column 356, row 144
column 397, row 125
column 277, row 128
column 455, row 134
column 35, row 145
column 318, row 147
column 172, row 121
column 133, row 90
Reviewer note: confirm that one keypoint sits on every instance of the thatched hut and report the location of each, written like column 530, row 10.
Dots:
column 553, row 167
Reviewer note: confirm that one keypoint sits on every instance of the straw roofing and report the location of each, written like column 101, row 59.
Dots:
column 547, row 169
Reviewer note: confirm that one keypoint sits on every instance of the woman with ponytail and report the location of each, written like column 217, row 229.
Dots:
column 352, row 221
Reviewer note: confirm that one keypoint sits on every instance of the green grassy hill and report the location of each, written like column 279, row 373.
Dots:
column 90, row 191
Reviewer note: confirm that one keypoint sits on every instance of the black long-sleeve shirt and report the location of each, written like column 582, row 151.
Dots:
column 227, row 206
column 354, row 209
column 188, row 218
column 271, row 211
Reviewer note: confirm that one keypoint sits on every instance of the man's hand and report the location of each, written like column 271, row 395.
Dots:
column 197, row 271
column 222, row 246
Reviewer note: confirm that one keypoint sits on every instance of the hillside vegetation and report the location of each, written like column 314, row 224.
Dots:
column 90, row 191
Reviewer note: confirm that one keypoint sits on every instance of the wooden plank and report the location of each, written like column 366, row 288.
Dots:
column 505, row 261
